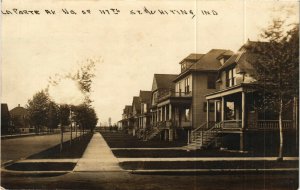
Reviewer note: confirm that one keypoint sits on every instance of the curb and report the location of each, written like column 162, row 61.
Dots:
column 213, row 171
column 33, row 173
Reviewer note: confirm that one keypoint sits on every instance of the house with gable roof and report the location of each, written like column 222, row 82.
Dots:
column 182, row 108
column 235, row 122
column 144, row 116
column 126, row 121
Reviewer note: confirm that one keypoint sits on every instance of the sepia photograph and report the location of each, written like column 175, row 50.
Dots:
column 150, row 95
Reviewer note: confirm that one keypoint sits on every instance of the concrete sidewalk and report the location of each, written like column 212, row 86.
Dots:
column 97, row 157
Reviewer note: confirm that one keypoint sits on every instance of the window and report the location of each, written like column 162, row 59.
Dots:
column 154, row 98
column 179, row 89
column 230, row 77
column 183, row 66
column 230, row 111
column 211, row 82
column 211, row 107
column 187, row 85
column 187, row 114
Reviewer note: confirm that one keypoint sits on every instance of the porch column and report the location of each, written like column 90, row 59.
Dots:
column 170, row 112
column 243, row 110
column 166, row 135
column 161, row 111
column 171, row 134
column 165, row 112
column 215, row 105
column 243, row 123
column 207, row 112
column 222, row 109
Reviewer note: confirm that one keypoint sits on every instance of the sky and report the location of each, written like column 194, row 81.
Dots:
column 132, row 48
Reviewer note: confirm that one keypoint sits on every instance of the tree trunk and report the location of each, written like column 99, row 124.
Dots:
column 295, row 121
column 61, row 138
column 71, row 133
column 280, row 156
column 76, row 130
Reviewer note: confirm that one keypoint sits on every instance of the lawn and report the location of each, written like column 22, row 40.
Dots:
column 152, row 165
column 75, row 151
column 122, row 140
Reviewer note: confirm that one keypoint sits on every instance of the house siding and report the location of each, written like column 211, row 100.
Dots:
column 199, row 92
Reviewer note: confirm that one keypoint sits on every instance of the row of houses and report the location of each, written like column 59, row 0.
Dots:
column 210, row 103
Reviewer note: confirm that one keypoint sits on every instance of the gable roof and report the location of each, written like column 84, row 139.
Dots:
column 145, row 96
column 136, row 103
column 211, row 60
column 163, row 81
column 207, row 62
column 127, row 109
column 243, row 60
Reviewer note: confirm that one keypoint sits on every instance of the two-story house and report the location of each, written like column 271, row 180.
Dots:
column 184, row 108
column 236, row 123
column 144, row 117
column 20, row 120
column 136, row 112
column 162, row 83
column 126, row 121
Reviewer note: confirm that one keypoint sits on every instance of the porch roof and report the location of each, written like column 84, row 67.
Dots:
column 176, row 101
column 243, row 87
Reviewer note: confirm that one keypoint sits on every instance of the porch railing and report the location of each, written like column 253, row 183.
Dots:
column 171, row 93
column 270, row 124
column 230, row 124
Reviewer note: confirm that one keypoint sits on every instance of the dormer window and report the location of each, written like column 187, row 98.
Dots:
column 222, row 61
column 231, row 77
column 183, row 66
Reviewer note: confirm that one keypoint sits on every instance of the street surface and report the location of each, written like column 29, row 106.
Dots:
column 22, row 147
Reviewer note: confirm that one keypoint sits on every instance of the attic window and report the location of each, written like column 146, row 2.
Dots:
column 222, row 61
column 183, row 66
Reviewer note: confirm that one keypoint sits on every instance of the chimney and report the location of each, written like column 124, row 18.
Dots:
column 19, row 105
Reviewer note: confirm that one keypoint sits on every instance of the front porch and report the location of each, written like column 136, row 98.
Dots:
column 172, row 114
column 235, row 113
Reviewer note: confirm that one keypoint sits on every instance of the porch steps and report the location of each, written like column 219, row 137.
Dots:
column 204, row 138
column 153, row 133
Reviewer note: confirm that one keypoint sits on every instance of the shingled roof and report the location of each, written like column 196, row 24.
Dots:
column 207, row 62
column 18, row 111
column 163, row 81
column 243, row 60
column 127, row 109
column 210, row 61
column 192, row 57
column 136, row 103
column 145, row 96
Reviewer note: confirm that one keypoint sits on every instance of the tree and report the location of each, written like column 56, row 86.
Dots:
column 277, row 69
column 64, row 115
column 53, row 116
column 85, row 116
column 38, row 108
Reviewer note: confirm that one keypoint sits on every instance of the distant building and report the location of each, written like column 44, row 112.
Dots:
column 127, row 120
column 20, row 120
column 5, row 120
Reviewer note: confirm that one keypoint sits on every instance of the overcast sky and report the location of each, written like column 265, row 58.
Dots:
column 132, row 47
